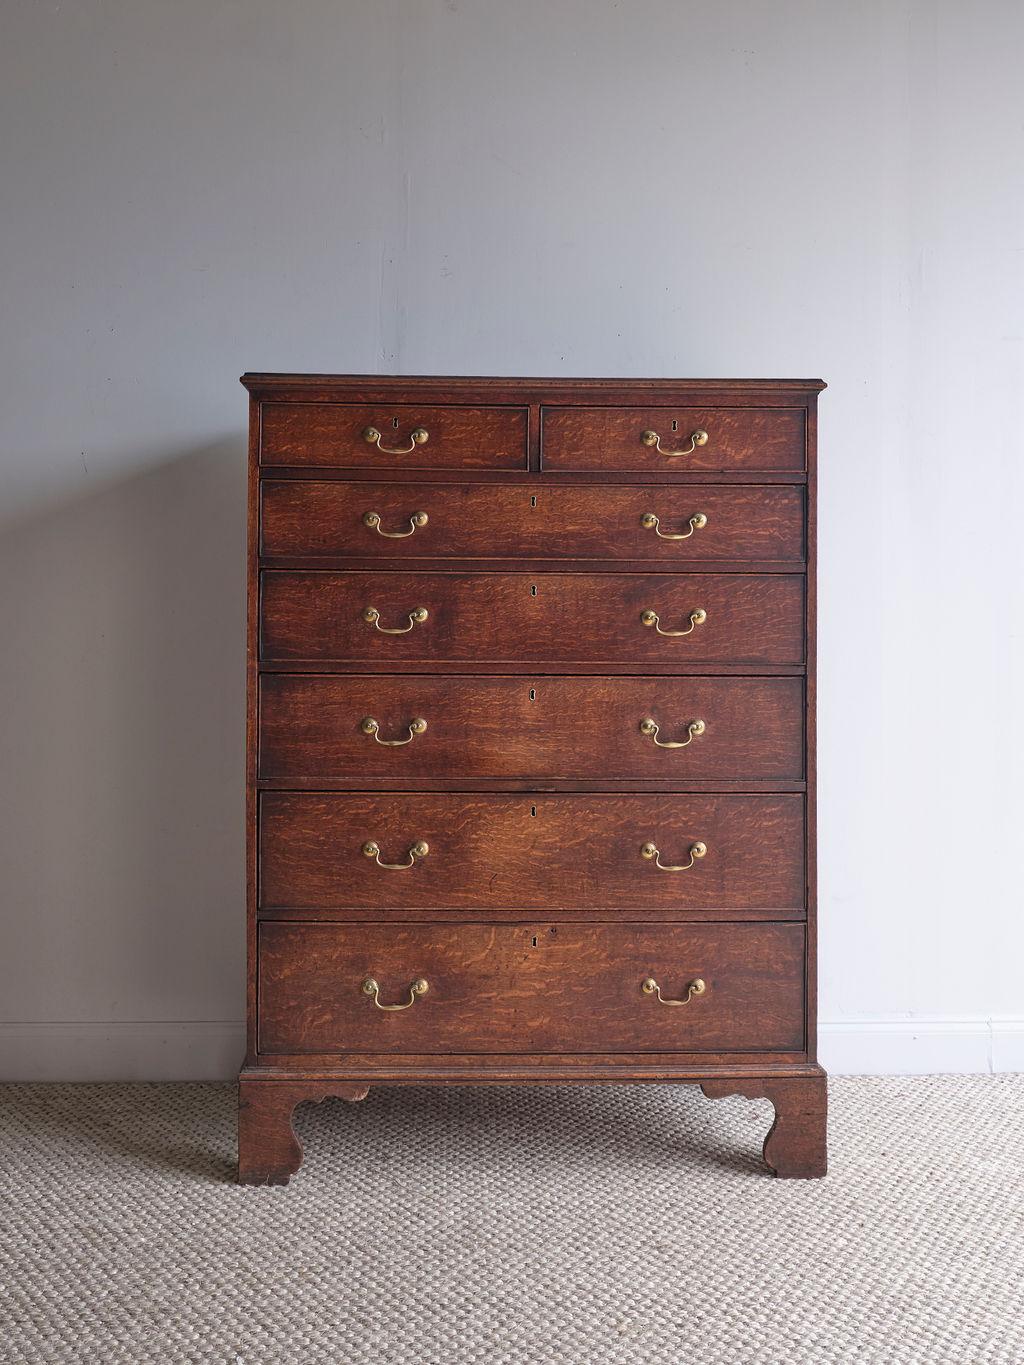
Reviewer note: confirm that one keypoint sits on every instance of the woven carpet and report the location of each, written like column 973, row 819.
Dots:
column 584, row 1225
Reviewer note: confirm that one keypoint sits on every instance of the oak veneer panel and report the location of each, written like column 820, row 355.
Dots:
column 498, row 851
column 332, row 434
column 608, row 439
column 539, row 988
column 309, row 518
column 532, row 618
column 541, row 727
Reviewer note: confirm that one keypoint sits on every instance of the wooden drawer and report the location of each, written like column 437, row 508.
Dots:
column 312, row 726
column 523, row 618
column 501, row 851
column 537, row 988
column 613, row 439
column 333, row 434
column 302, row 518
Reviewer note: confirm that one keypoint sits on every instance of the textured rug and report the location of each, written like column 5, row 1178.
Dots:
column 627, row 1226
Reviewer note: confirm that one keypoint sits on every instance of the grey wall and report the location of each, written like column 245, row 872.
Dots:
column 195, row 188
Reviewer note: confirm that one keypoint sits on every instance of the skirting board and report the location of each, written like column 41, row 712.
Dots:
column 204, row 1051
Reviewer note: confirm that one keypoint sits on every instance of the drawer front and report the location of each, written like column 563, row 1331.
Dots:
column 673, row 524
column 383, row 726
column 516, row 618
column 537, row 988
column 341, row 435
column 500, row 851
column 619, row 439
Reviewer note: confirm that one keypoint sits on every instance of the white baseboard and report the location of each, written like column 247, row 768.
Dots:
column 126, row 1051
column 203, row 1051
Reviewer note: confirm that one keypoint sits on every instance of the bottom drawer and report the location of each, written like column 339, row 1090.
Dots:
column 530, row 988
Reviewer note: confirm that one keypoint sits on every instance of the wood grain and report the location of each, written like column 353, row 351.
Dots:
column 532, row 618
column 530, row 987
column 537, row 727
column 313, row 519
column 497, row 852
column 608, row 438
column 332, row 434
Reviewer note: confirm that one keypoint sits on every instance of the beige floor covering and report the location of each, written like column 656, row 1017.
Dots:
column 588, row 1225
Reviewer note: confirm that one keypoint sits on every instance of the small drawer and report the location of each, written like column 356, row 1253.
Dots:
column 530, row 988
column 383, row 726
column 392, row 436
column 673, row 440
column 495, row 851
column 386, row 618
column 669, row 525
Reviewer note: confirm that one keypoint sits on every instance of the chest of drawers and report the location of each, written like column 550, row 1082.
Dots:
column 530, row 787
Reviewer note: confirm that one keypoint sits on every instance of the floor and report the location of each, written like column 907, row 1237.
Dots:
column 597, row 1226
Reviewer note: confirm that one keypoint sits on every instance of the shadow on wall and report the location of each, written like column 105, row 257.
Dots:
column 121, row 807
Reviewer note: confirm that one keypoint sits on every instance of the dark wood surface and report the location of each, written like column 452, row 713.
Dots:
column 500, row 852
column 316, row 519
column 332, row 434
column 568, row 987
column 609, row 438
column 543, row 727
column 532, row 618
column 531, row 670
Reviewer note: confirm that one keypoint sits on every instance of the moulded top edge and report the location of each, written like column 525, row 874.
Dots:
column 270, row 380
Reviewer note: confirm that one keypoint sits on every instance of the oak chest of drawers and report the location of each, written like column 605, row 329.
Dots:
column 530, row 743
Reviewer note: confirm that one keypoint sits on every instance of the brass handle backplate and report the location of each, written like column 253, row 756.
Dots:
column 369, row 726
column 696, row 987
column 372, row 617
column 651, row 727
column 418, row 437
column 651, row 851
column 652, row 523
column 371, row 986
column 697, row 618
column 697, row 438
column 372, row 520
column 418, row 850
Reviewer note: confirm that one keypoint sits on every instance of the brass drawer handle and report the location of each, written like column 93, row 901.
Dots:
column 651, row 618
column 697, row 850
column 369, row 726
column 417, row 988
column 651, row 727
column 418, row 850
column 372, row 616
column 418, row 437
column 696, row 987
column 697, row 438
column 372, row 520
column 650, row 522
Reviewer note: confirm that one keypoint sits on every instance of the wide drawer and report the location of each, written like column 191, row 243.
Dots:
column 393, row 436
column 673, row 524
column 387, row 726
column 620, row 439
column 537, row 988
column 497, row 851
column 385, row 618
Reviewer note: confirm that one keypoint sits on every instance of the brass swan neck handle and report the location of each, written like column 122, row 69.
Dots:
column 650, row 727
column 371, row 986
column 652, row 523
column 652, row 853
column 696, row 987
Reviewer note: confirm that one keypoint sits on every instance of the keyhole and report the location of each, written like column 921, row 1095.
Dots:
column 533, row 694
column 533, row 810
column 394, row 423
column 533, row 589
column 675, row 426
column 534, row 940
column 533, row 502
